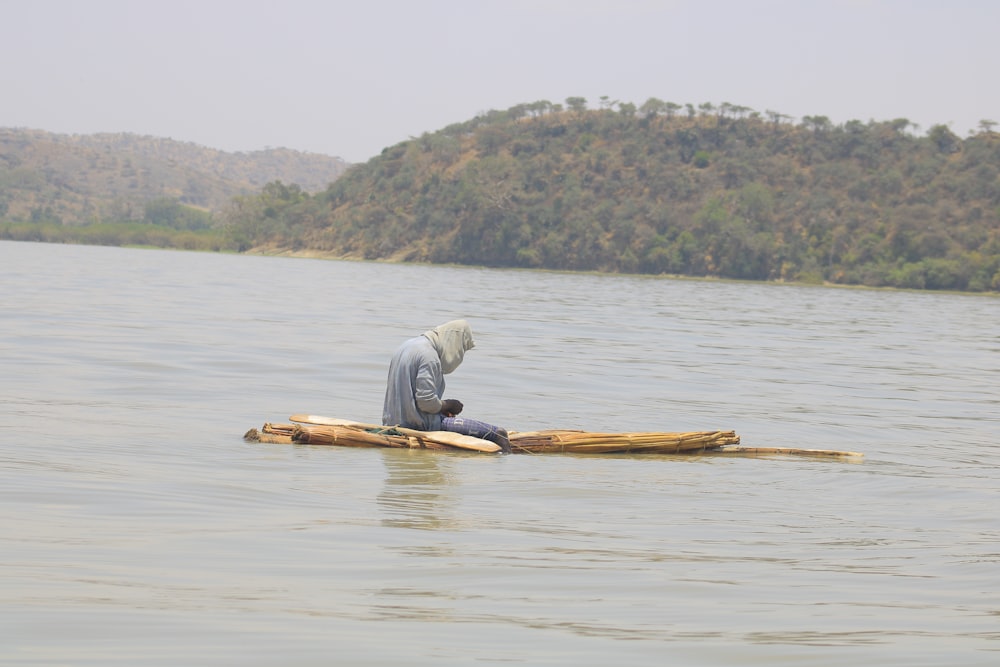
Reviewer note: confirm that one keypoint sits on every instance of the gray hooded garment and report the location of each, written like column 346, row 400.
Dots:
column 415, row 385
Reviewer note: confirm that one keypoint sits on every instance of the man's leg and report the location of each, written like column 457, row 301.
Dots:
column 477, row 429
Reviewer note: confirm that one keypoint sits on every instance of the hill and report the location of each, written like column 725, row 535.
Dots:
column 80, row 179
column 662, row 188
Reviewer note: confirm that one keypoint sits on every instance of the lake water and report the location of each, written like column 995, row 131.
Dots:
column 138, row 528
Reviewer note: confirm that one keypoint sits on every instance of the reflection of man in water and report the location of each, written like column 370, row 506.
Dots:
column 415, row 387
column 415, row 493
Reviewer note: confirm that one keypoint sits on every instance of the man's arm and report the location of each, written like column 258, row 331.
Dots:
column 426, row 393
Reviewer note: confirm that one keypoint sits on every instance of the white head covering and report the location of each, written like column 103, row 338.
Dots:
column 451, row 340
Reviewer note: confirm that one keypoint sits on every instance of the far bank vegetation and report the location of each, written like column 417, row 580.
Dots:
column 661, row 188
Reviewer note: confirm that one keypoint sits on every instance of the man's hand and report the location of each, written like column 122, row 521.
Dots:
column 451, row 407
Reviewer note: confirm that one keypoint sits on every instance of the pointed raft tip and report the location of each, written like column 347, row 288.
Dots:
column 790, row 451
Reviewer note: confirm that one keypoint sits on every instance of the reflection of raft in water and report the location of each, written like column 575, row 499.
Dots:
column 315, row 430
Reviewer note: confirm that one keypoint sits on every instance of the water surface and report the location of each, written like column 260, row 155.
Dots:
column 139, row 528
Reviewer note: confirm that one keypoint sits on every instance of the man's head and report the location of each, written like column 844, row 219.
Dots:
column 451, row 340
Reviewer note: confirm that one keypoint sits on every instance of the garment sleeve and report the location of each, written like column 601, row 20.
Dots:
column 426, row 393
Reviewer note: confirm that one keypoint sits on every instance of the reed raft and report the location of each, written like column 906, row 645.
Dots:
column 312, row 430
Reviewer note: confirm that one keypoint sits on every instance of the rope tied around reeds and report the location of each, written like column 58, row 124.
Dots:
column 385, row 430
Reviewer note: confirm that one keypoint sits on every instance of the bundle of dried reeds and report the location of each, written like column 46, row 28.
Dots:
column 347, row 436
column 409, row 437
column 278, row 434
column 585, row 442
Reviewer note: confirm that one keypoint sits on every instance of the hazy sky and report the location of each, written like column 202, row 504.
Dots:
column 350, row 78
